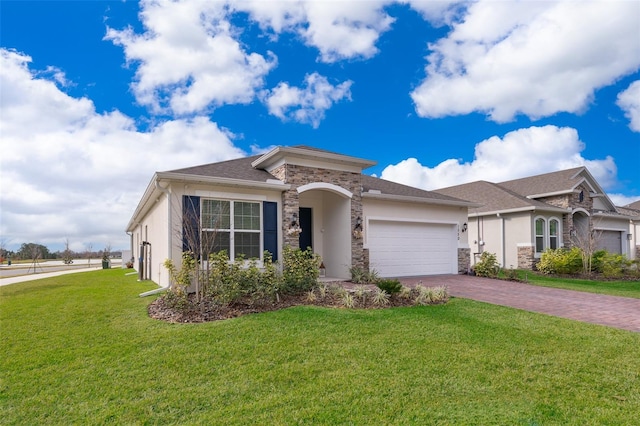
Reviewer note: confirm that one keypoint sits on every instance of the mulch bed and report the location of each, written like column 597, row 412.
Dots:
column 207, row 311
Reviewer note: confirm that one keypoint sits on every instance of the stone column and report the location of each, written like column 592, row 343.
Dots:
column 464, row 260
column 526, row 256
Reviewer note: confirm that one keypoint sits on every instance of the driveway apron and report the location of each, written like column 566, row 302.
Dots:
column 611, row 311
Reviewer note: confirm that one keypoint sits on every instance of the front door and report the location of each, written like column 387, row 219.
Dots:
column 306, row 236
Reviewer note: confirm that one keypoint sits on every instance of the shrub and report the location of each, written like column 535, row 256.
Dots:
column 347, row 300
column 380, row 297
column 390, row 286
column 361, row 276
column 511, row 274
column 560, row 261
column 361, row 292
column 615, row 265
column 487, row 266
column 182, row 278
column 358, row 275
column 597, row 260
column 371, row 276
column 301, row 269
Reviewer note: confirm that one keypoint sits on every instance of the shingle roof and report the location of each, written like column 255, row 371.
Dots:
column 233, row 169
column 392, row 188
column 627, row 211
column 241, row 169
column 493, row 197
column 635, row 205
column 563, row 180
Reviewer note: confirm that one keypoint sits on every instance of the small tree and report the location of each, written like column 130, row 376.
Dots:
column 67, row 255
column 89, row 253
column 586, row 238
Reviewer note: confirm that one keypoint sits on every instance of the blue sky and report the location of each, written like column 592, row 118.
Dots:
column 96, row 96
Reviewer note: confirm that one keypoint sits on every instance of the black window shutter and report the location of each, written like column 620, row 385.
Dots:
column 190, row 223
column 270, row 227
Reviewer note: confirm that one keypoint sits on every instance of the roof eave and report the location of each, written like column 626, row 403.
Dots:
column 411, row 199
column 152, row 190
column 148, row 195
column 183, row 177
column 264, row 161
column 519, row 210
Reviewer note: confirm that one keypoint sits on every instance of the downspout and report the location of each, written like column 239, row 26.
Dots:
column 502, row 254
column 167, row 192
column 130, row 244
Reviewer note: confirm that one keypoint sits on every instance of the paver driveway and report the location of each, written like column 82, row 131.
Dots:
column 612, row 311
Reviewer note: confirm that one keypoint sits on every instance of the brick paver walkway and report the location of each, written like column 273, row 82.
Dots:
column 612, row 311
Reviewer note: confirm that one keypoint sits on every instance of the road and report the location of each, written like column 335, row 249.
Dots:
column 52, row 266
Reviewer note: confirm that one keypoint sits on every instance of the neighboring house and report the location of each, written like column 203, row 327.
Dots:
column 519, row 219
column 633, row 210
column 299, row 196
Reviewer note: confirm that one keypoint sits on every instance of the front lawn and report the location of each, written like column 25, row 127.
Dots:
column 80, row 349
column 626, row 288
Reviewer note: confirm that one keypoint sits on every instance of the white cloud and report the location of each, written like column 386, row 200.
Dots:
column 68, row 171
column 531, row 58
column 621, row 199
column 629, row 102
column 338, row 29
column 188, row 59
column 307, row 104
column 521, row 153
column 441, row 12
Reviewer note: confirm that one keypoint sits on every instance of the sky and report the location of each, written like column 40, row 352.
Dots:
column 96, row 96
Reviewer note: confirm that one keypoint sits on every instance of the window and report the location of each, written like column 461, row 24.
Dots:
column 540, row 231
column 233, row 226
column 553, row 234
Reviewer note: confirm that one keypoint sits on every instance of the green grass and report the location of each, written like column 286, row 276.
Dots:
column 612, row 288
column 80, row 349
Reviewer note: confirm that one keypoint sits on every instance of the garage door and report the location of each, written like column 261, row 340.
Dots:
column 610, row 241
column 398, row 249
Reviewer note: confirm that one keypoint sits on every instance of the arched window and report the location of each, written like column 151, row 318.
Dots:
column 540, row 231
column 554, row 227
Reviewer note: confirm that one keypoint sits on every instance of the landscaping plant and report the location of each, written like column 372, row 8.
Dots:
column 487, row 266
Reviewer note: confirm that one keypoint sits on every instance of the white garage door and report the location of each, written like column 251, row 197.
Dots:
column 398, row 249
column 610, row 241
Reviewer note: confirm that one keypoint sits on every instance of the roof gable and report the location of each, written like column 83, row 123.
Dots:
column 312, row 157
column 557, row 183
column 494, row 198
column 562, row 181
column 372, row 186
column 232, row 169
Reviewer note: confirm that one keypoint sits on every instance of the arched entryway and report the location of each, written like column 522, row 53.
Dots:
column 325, row 216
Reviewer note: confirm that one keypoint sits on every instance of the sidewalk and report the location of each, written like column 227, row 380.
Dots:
column 32, row 277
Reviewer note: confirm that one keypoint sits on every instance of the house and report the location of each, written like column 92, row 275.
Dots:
column 301, row 197
column 519, row 219
column 633, row 210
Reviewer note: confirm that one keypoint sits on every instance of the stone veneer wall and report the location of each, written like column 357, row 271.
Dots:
column 570, row 200
column 526, row 257
column 297, row 176
column 464, row 260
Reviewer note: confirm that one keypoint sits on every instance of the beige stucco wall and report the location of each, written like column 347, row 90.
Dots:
column 418, row 212
column 331, row 230
column 518, row 230
column 166, row 236
column 153, row 229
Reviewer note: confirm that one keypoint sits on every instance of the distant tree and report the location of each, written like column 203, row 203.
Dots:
column 67, row 254
column 30, row 251
column 3, row 251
